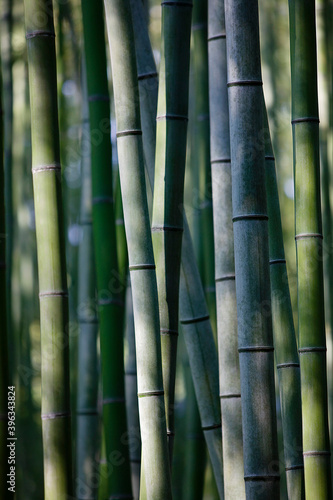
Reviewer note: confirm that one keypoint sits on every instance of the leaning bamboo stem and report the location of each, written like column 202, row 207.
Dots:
column 110, row 290
column 196, row 325
column 308, row 229
column 230, row 387
column 140, row 251
column 167, row 219
column 50, row 248
column 255, row 340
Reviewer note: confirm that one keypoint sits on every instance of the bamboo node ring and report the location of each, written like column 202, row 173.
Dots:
column 87, row 411
column 287, row 365
column 125, row 133
column 219, row 36
column 145, row 76
column 33, row 34
column 44, row 168
column 177, row 4
column 302, row 236
column 53, row 415
column 247, row 83
column 305, row 119
column 304, row 350
column 150, row 393
column 141, row 267
column 255, row 348
column 316, row 453
column 230, row 396
column 220, row 160
column 55, row 293
column 257, row 477
column 250, row 217
column 211, row 427
column 269, row 158
column 225, row 277
column 277, row 261
column 194, row 320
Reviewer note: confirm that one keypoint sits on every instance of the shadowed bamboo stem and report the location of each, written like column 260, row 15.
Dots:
column 196, row 325
column 250, row 225
column 140, row 250
column 50, row 248
column 308, row 229
column 87, row 439
column 230, row 386
column 286, row 355
column 110, row 290
column 167, row 219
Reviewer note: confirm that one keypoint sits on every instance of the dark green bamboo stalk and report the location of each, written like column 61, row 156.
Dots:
column 141, row 259
column 167, row 219
column 200, row 154
column 286, row 355
column 87, row 438
column 193, row 310
column 230, row 386
column 255, row 340
column 50, row 248
column 133, row 423
column 110, row 291
column 7, row 65
column 310, row 293
column 4, row 467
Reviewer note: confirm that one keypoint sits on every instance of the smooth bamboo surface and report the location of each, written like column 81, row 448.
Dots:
column 51, row 250
column 309, row 249
column 140, row 250
column 250, row 225
column 230, row 386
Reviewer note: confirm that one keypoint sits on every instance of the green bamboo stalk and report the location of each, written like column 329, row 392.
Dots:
column 50, row 248
column 255, row 340
column 141, row 259
column 200, row 154
column 110, row 291
column 4, row 375
column 193, row 309
column 230, row 385
column 7, row 65
column 87, row 433
column 167, row 219
column 286, row 355
column 308, row 230
column 131, row 386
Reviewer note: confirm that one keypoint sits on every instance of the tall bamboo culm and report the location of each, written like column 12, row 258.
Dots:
column 250, row 225
column 109, row 289
column 230, row 387
column 167, row 219
column 140, row 250
column 194, row 315
column 53, row 293
column 286, row 356
column 87, row 437
column 4, row 375
column 308, row 229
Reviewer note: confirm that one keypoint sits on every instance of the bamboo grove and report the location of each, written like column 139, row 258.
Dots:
column 166, row 277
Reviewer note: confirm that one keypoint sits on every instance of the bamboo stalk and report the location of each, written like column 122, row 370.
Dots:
column 141, row 259
column 50, row 248
column 4, row 375
column 255, row 340
column 286, row 355
column 196, row 325
column 230, row 385
column 308, row 230
column 110, row 291
column 87, row 437
column 167, row 219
